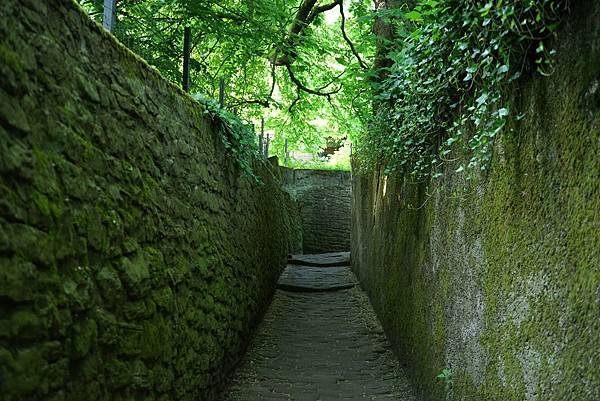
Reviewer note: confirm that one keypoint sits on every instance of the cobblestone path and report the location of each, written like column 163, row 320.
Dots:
column 319, row 341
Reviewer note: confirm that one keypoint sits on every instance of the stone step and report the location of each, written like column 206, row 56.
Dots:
column 321, row 260
column 316, row 279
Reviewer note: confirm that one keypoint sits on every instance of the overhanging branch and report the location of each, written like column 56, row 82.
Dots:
column 321, row 9
column 362, row 64
column 263, row 103
column 306, row 89
column 306, row 14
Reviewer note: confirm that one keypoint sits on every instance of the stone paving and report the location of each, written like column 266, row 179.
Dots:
column 312, row 279
column 322, row 259
column 319, row 343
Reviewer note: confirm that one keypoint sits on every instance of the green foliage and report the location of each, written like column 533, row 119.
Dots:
column 450, row 63
column 445, row 376
column 238, row 137
column 441, row 90
column 239, row 41
column 320, row 165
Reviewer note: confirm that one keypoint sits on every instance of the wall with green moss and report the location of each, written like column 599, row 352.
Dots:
column 498, row 278
column 323, row 199
column 134, row 257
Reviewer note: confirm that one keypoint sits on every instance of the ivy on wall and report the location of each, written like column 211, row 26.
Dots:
column 238, row 137
column 449, row 66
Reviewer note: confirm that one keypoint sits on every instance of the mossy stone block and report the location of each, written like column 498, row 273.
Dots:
column 17, row 278
column 83, row 338
column 27, row 325
column 135, row 275
column 110, row 284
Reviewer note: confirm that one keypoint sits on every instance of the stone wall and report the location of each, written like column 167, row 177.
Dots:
column 324, row 199
column 499, row 279
column 134, row 256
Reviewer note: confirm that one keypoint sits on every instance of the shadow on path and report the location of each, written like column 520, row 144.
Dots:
column 319, row 341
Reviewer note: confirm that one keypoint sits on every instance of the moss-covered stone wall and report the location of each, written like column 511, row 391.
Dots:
column 323, row 199
column 134, row 257
column 498, row 278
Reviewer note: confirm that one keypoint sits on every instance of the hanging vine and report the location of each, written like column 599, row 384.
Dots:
column 451, row 62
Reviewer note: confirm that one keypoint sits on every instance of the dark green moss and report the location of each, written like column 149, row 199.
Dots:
column 496, row 277
column 134, row 258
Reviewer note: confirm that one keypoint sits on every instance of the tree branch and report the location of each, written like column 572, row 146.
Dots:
column 269, row 97
column 296, row 100
column 347, row 39
column 327, row 85
column 304, row 12
column 321, row 9
column 273, row 80
column 303, row 88
column 263, row 103
column 304, row 17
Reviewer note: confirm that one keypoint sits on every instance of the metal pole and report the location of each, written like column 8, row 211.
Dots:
column 286, row 155
column 187, row 44
column 110, row 13
column 222, row 92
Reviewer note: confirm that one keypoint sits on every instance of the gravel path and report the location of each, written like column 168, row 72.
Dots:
column 321, row 345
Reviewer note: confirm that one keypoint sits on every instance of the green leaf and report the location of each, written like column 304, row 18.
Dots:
column 540, row 48
column 482, row 99
column 413, row 16
column 503, row 112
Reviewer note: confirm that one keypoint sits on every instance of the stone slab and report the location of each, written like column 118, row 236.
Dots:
column 322, row 259
column 309, row 279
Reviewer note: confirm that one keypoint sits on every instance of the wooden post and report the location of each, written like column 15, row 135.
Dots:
column 222, row 92
column 187, row 44
column 286, row 154
column 261, row 138
column 110, row 13
column 267, row 147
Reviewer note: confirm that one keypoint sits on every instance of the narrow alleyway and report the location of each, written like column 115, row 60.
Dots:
column 319, row 341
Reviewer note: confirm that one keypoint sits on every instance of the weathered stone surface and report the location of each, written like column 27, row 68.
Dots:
column 498, row 278
column 134, row 256
column 315, row 279
column 324, row 199
column 320, row 346
column 323, row 259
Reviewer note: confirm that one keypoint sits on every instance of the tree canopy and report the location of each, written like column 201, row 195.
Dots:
column 407, row 81
column 300, row 64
